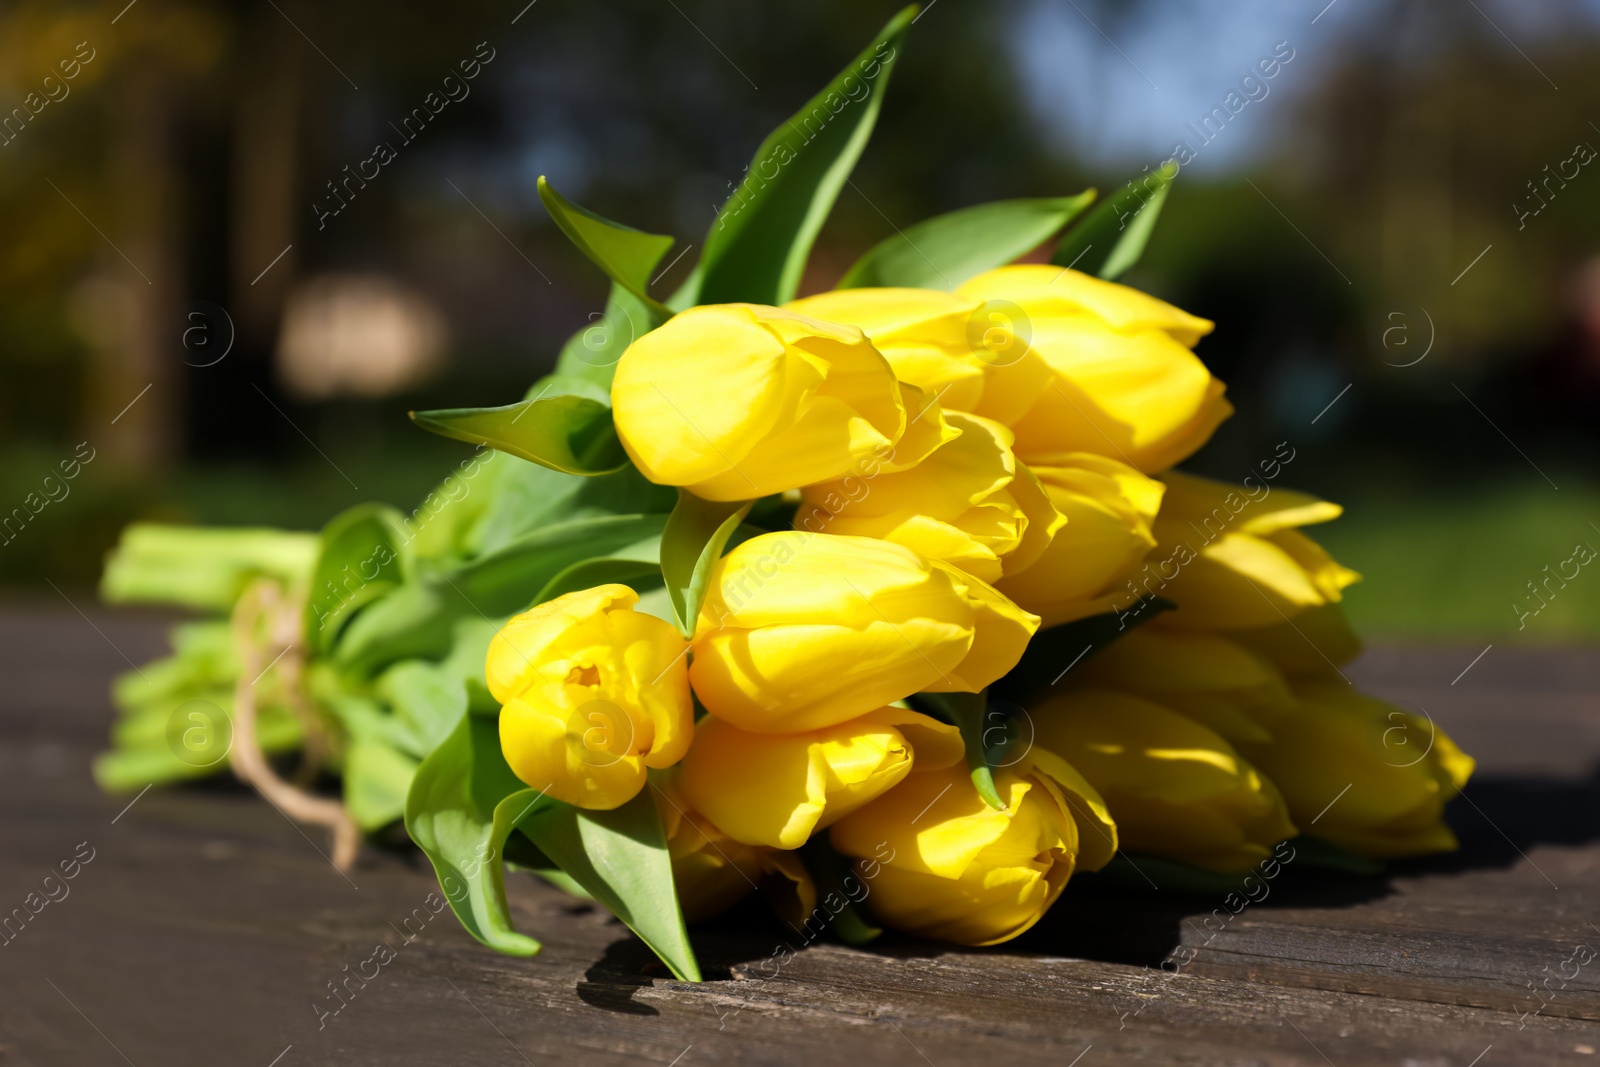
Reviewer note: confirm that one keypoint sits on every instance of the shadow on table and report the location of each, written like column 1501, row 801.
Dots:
column 1498, row 820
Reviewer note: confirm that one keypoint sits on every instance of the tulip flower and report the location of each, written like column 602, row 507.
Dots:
column 736, row 401
column 969, row 503
column 1126, row 384
column 800, row 631
column 593, row 693
column 1109, row 508
column 1314, row 646
column 1175, row 788
column 1362, row 773
column 1207, row 676
column 1232, row 557
column 940, row 862
column 956, row 348
column 777, row 789
column 712, row 872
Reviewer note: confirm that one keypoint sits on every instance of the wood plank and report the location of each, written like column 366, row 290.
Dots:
column 206, row 928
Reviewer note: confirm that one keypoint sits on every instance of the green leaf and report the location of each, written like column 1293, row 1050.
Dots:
column 592, row 352
column 691, row 544
column 626, row 255
column 567, row 433
column 968, row 712
column 757, row 248
column 450, row 814
column 1057, row 650
column 364, row 555
column 829, row 870
column 428, row 701
column 419, row 619
column 376, row 778
column 1111, row 238
column 1324, row 855
column 620, row 857
column 946, row 250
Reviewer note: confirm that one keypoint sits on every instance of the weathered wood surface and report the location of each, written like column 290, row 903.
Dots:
column 206, row 927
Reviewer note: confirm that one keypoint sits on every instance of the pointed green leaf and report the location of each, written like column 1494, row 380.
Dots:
column 450, row 814
column 967, row 712
column 565, row 432
column 1111, row 238
column 620, row 857
column 757, row 248
column 946, row 250
column 364, row 555
column 419, row 618
column 691, row 544
column 592, row 353
column 626, row 255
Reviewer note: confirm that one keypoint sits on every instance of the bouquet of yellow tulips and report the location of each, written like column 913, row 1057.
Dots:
column 885, row 601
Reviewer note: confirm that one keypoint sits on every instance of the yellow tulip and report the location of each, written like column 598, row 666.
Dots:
column 1109, row 508
column 951, row 347
column 1232, row 558
column 778, row 789
column 593, row 693
column 1206, row 676
column 1175, row 788
column 712, row 872
column 1126, row 384
column 1362, row 773
column 736, row 401
column 800, row 631
column 940, row 862
column 968, row 503
column 1315, row 645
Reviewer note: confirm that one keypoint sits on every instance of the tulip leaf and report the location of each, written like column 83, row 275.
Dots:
column 946, row 250
column 592, row 353
column 620, row 857
column 1054, row 652
column 566, row 432
column 626, row 255
column 1111, row 238
column 1319, row 853
column 969, row 712
column 691, row 544
column 451, row 815
column 829, row 871
column 363, row 556
column 418, row 620
column 757, row 248
column 376, row 779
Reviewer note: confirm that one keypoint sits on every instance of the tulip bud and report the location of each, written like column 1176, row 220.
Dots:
column 1314, row 646
column 940, row 862
column 800, row 631
column 1086, row 568
column 1232, row 560
column 777, row 789
column 712, row 872
column 736, row 401
column 593, row 693
column 1126, row 384
column 1363, row 773
column 1205, row 676
column 1175, row 788
column 969, row 503
column 956, row 348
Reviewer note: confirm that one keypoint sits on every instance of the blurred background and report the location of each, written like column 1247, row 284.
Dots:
column 218, row 300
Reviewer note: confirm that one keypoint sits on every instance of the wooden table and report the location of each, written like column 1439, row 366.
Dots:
column 206, row 927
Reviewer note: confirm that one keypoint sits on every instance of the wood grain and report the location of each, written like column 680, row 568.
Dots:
column 206, row 927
